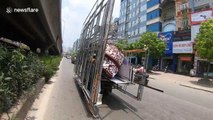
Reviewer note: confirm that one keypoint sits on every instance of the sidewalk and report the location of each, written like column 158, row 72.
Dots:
column 59, row 99
column 182, row 80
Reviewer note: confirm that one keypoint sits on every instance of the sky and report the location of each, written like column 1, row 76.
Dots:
column 74, row 12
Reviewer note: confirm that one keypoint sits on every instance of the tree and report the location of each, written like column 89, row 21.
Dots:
column 204, row 42
column 122, row 44
column 151, row 41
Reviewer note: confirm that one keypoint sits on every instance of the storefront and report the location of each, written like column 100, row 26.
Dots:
column 185, row 64
column 202, row 67
column 167, row 59
column 183, row 49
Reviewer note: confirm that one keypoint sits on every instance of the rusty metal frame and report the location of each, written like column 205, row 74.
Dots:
column 94, row 37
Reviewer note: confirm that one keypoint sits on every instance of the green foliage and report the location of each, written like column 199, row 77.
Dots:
column 73, row 54
column 122, row 44
column 51, row 64
column 151, row 41
column 204, row 40
column 19, row 70
column 133, row 45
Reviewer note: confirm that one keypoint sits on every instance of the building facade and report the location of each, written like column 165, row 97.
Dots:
column 76, row 44
column 172, row 20
column 153, row 16
column 168, row 13
column 183, row 53
column 183, row 9
column 200, row 8
column 132, row 20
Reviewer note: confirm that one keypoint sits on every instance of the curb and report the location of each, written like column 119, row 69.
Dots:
column 21, row 108
column 197, row 88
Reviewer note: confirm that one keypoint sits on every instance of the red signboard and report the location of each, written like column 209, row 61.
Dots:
column 185, row 58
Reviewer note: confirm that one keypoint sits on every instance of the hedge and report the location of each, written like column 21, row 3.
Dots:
column 19, row 71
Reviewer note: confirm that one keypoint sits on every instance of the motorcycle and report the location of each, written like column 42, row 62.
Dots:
column 155, row 68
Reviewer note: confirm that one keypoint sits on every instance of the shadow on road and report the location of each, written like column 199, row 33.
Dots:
column 203, row 84
column 49, row 82
column 115, row 103
column 83, row 101
column 154, row 73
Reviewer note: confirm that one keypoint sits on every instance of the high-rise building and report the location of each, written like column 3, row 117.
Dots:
column 132, row 20
column 153, row 16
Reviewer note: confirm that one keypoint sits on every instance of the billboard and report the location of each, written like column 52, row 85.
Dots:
column 198, row 17
column 168, row 38
column 183, row 47
column 183, row 35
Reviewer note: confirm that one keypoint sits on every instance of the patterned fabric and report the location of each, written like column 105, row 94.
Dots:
column 109, row 68
column 114, row 54
column 112, row 61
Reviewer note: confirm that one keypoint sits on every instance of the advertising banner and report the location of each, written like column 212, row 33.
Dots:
column 168, row 38
column 183, row 35
column 183, row 47
column 198, row 17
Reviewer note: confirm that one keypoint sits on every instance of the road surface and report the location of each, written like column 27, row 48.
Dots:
column 170, row 83
column 60, row 100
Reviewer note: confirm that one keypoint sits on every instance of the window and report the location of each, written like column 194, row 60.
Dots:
column 183, row 6
column 142, row 29
column 136, row 31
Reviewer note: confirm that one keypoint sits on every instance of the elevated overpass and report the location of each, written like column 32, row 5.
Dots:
column 36, row 23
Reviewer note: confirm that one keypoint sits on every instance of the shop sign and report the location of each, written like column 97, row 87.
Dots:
column 183, row 47
column 168, row 38
column 184, row 35
column 185, row 58
column 198, row 17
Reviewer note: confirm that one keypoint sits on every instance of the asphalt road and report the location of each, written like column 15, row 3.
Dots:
column 174, row 89
column 60, row 100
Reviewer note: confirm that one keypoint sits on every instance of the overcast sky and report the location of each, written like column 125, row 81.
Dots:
column 74, row 13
